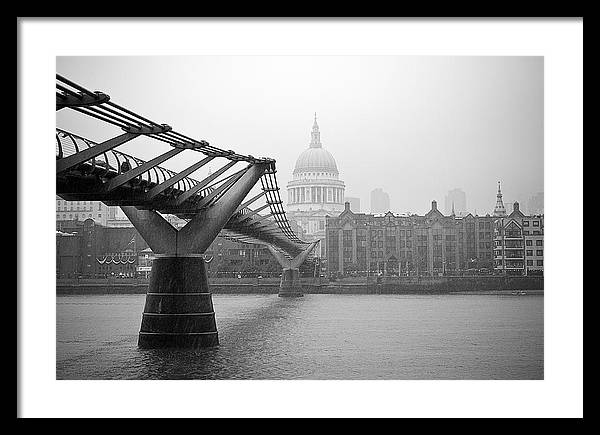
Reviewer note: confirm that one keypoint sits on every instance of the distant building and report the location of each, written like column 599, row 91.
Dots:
column 82, row 210
column 499, row 209
column 455, row 202
column 145, row 257
column 88, row 250
column 402, row 244
column 315, row 190
column 380, row 201
column 229, row 259
column 519, row 243
column 117, row 219
column 535, row 205
column 354, row 203
column 175, row 221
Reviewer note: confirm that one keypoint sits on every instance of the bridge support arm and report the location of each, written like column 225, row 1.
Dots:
column 290, row 276
column 203, row 228
column 160, row 235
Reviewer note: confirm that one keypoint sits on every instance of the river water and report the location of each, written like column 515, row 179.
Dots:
column 314, row 337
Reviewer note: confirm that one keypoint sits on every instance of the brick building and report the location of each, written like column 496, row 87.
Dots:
column 395, row 244
column 89, row 250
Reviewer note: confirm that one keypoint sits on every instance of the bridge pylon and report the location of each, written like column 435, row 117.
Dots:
column 179, row 310
column 290, row 277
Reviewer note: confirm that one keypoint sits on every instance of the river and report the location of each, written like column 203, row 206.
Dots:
column 314, row 337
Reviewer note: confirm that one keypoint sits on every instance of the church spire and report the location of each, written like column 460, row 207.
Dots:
column 499, row 210
column 315, row 135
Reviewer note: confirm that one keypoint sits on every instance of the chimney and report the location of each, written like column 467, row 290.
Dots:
column 346, row 206
column 516, row 206
column 434, row 205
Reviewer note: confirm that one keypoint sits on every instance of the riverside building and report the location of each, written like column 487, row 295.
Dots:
column 402, row 244
column 519, row 243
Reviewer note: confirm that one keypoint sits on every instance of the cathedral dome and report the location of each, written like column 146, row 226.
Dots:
column 315, row 158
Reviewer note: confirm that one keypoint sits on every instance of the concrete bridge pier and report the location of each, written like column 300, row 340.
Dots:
column 290, row 285
column 179, row 312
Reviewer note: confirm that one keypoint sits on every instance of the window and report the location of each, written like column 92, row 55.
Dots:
column 539, row 252
column 525, row 233
column 529, row 253
column 529, row 242
column 525, row 223
column 408, row 233
column 540, row 262
column 536, row 223
column 539, row 242
column 529, row 262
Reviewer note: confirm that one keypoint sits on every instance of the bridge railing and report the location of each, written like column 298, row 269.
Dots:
column 113, row 163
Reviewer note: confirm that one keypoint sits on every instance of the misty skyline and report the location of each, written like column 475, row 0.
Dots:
column 416, row 126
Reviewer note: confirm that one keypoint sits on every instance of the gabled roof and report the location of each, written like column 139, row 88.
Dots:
column 516, row 214
column 512, row 223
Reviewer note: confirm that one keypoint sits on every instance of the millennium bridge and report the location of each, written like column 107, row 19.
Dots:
column 178, row 311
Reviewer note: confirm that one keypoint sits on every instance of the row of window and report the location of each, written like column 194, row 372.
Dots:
column 537, row 242
column 534, row 233
column 347, row 241
column 76, row 208
column 534, row 223
column 80, row 215
column 61, row 203
column 516, row 263
column 537, row 262
column 538, row 252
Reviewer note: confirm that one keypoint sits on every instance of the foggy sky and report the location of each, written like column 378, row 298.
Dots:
column 414, row 126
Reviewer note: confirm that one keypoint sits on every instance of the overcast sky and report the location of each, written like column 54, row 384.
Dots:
column 414, row 126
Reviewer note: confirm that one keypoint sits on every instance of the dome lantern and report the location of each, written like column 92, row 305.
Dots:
column 316, row 159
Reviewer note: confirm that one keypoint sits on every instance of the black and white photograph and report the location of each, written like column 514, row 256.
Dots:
column 293, row 215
